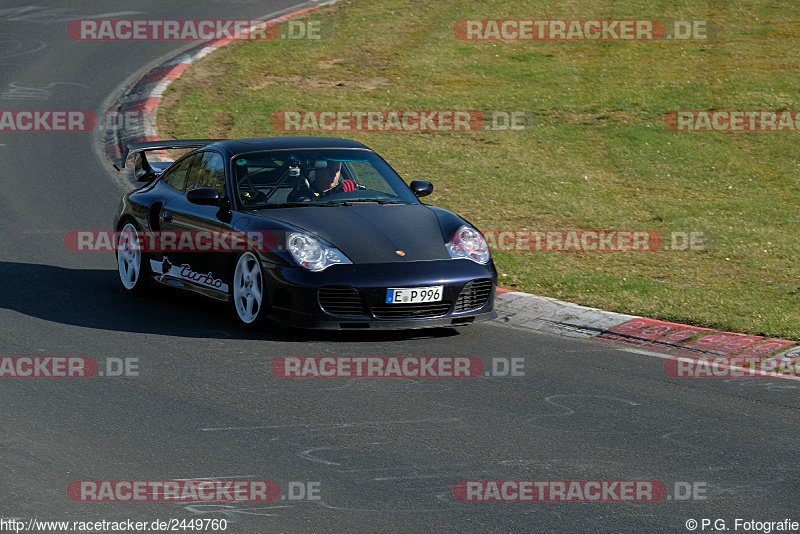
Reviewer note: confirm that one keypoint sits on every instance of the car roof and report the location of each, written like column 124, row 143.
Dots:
column 237, row 146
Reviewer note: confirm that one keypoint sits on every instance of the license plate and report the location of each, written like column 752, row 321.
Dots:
column 413, row 295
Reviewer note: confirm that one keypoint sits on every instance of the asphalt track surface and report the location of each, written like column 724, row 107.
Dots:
column 386, row 452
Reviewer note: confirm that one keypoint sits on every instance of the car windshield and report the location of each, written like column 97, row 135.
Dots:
column 318, row 177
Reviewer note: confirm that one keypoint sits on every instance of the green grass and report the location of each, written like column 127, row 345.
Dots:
column 598, row 157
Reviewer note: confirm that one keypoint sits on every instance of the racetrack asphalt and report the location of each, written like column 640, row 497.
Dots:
column 386, row 452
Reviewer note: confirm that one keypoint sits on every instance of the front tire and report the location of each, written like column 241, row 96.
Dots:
column 249, row 299
column 133, row 268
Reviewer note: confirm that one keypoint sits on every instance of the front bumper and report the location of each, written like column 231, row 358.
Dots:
column 305, row 299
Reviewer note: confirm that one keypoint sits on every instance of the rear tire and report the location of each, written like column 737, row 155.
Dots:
column 247, row 290
column 132, row 265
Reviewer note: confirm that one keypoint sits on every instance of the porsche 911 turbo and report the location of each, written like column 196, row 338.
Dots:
column 349, row 245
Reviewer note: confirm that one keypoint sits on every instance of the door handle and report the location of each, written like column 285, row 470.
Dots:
column 167, row 216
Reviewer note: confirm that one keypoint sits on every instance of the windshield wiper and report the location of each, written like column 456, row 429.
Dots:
column 287, row 205
column 365, row 200
column 326, row 204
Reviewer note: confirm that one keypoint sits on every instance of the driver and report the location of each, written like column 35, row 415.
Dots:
column 327, row 181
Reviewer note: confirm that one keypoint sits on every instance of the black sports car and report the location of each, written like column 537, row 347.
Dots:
column 334, row 238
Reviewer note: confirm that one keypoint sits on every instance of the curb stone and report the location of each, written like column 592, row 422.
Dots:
column 546, row 314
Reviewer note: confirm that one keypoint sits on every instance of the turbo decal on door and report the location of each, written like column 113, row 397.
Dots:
column 185, row 272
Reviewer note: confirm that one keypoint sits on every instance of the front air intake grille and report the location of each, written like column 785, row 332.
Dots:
column 474, row 295
column 411, row 311
column 343, row 301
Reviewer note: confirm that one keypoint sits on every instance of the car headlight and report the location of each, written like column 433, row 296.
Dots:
column 467, row 242
column 311, row 254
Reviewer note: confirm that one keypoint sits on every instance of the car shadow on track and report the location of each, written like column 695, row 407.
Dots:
column 93, row 298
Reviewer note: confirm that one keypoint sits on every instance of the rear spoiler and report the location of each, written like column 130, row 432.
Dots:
column 143, row 171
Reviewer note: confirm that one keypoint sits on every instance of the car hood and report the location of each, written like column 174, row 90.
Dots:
column 373, row 233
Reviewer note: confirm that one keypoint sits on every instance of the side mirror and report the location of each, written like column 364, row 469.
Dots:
column 421, row 188
column 205, row 196
column 142, row 170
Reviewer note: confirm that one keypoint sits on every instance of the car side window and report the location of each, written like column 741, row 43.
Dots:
column 210, row 172
column 175, row 177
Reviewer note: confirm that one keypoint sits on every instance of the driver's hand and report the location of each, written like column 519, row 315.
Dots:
column 348, row 185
